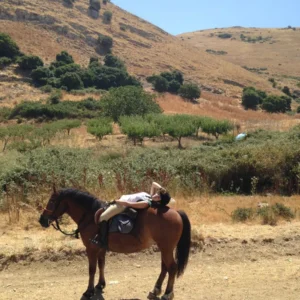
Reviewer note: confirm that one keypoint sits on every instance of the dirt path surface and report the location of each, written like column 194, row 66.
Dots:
column 236, row 264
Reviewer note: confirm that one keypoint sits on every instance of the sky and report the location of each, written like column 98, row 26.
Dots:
column 179, row 16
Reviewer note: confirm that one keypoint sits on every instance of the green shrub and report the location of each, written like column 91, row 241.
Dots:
column 41, row 75
column 242, row 214
column 30, row 62
column 8, row 48
column 268, row 215
column 251, row 98
column 95, row 4
column 55, row 97
column 161, row 84
column 107, row 16
column 127, row 101
column 64, row 58
column 277, row 104
column 287, row 91
column 68, row 68
column 123, row 27
column 224, row 35
column 283, row 211
column 5, row 61
column 173, row 87
column 72, row 81
column 105, row 41
column 190, row 91
column 100, row 127
column 113, row 61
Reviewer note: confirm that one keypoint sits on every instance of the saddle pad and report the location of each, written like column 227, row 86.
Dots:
column 121, row 223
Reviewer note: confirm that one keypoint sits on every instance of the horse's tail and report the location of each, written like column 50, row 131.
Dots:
column 183, row 246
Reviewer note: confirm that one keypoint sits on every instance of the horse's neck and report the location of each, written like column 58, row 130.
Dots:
column 77, row 214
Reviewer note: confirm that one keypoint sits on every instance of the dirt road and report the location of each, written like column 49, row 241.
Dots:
column 262, row 266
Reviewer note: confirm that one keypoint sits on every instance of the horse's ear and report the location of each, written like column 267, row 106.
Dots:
column 54, row 189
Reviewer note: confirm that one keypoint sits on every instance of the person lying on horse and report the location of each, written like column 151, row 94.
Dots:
column 158, row 197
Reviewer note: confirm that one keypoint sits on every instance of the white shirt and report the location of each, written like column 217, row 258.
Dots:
column 136, row 197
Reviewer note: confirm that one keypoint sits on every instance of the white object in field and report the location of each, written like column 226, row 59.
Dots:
column 240, row 136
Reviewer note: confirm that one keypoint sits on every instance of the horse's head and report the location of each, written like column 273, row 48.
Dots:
column 55, row 208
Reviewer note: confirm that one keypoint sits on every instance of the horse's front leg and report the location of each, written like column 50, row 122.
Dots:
column 92, row 254
column 101, row 264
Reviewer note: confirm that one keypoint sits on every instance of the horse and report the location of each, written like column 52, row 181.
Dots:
column 168, row 228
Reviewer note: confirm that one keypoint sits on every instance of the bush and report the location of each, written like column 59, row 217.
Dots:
column 276, row 104
column 113, row 61
column 242, row 214
column 100, row 127
column 95, row 4
column 41, row 75
column 224, row 35
column 127, row 101
column 106, row 42
column 174, row 87
column 55, row 97
column 107, row 16
column 64, row 58
column 72, row 81
column 5, row 61
column 30, row 62
column 8, row 48
column 68, row 68
column 190, row 91
column 251, row 98
column 161, row 84
column 287, row 91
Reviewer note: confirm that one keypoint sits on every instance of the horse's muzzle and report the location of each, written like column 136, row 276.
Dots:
column 44, row 221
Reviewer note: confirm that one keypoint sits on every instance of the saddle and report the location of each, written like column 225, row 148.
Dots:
column 123, row 222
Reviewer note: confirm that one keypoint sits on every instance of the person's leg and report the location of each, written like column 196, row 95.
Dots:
column 101, row 238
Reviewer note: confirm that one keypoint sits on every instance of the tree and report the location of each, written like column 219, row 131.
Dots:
column 128, row 101
column 277, row 104
column 67, row 125
column 30, row 62
column 174, row 87
column 8, row 48
column 190, row 91
column 178, row 126
column 107, row 16
column 73, row 68
column 40, row 75
column 72, row 81
column 95, row 4
column 251, row 98
column 105, row 41
column 64, row 58
column 216, row 127
column 287, row 91
column 113, row 61
column 137, row 128
column 100, row 127
column 161, row 84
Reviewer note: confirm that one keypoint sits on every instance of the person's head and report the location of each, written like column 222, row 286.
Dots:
column 162, row 196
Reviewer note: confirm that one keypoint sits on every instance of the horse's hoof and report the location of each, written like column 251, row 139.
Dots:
column 100, row 287
column 169, row 296
column 152, row 296
column 87, row 295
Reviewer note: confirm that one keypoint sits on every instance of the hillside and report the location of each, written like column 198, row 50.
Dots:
column 270, row 53
column 45, row 28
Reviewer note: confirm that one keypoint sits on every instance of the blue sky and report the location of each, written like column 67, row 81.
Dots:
column 175, row 16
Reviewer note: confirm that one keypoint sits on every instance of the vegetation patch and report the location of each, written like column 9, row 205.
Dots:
column 216, row 52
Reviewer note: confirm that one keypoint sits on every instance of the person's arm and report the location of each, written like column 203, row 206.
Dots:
column 138, row 205
column 154, row 188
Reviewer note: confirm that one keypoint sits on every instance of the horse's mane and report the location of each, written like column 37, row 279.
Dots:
column 84, row 199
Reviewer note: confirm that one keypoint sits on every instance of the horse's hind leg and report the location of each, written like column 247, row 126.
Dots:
column 171, row 266
column 157, row 288
column 101, row 264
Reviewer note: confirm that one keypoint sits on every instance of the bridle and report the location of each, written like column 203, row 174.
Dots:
column 51, row 219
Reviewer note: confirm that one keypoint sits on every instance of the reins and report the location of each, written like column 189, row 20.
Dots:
column 75, row 233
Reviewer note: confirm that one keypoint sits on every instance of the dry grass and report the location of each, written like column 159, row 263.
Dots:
column 280, row 55
column 151, row 51
column 222, row 107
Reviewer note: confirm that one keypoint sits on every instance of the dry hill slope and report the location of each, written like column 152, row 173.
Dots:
column 46, row 27
column 276, row 52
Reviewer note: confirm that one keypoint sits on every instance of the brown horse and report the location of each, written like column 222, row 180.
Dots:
column 166, row 227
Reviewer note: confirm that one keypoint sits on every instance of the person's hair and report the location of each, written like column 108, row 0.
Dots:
column 164, row 197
